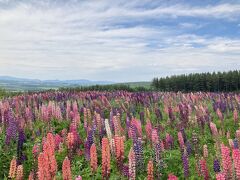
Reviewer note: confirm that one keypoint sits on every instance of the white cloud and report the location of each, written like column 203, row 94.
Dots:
column 102, row 40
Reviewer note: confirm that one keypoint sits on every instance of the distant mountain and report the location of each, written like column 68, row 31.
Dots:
column 22, row 84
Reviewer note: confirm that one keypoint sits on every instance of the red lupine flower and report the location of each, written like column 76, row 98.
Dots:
column 66, row 169
column 105, row 158
column 172, row 177
column 236, row 160
column 13, row 168
column 148, row 129
column 70, row 140
column 51, row 163
column 93, row 155
column 132, row 164
column 119, row 150
column 150, row 170
column 51, row 140
column 204, row 169
column 43, row 167
column 226, row 161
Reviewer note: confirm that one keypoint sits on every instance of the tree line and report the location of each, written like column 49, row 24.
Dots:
column 110, row 87
column 213, row 82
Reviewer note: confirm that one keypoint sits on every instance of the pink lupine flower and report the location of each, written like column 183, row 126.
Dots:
column 138, row 125
column 180, row 140
column 58, row 140
column 213, row 129
column 235, row 115
column 204, row 169
column 226, row 161
column 236, row 160
column 172, row 177
column 70, row 140
column 220, row 176
column 66, row 169
column 155, row 137
column 35, row 151
column 148, row 129
column 219, row 114
column 79, row 178
column 132, row 164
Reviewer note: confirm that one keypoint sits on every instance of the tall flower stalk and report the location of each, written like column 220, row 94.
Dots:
column 105, row 159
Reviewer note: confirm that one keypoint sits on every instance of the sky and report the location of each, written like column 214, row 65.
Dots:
column 121, row 41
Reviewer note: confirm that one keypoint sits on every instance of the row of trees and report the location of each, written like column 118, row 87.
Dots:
column 110, row 87
column 213, row 82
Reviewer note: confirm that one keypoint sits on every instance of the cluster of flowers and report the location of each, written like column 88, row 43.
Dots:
column 109, row 120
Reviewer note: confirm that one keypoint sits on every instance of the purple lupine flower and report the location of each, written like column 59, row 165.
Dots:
column 223, row 106
column 90, row 138
column 235, row 143
column 138, row 150
column 185, row 164
column 125, row 170
column 133, row 132
column 216, row 166
column 158, row 113
column 87, row 150
column 21, row 141
column 189, row 148
column 157, row 152
column 11, row 133
column 184, row 135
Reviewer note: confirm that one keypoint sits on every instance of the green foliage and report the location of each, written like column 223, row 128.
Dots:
column 213, row 82
column 110, row 88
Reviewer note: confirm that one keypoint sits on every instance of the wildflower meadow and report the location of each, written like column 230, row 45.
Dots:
column 120, row 135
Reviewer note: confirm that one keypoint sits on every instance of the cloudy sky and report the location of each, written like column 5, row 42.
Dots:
column 117, row 40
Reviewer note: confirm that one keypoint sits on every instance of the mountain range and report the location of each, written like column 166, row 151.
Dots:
column 23, row 84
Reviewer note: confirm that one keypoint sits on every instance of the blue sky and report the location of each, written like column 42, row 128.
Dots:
column 117, row 40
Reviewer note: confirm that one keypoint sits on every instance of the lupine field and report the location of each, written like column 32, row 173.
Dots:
column 120, row 135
